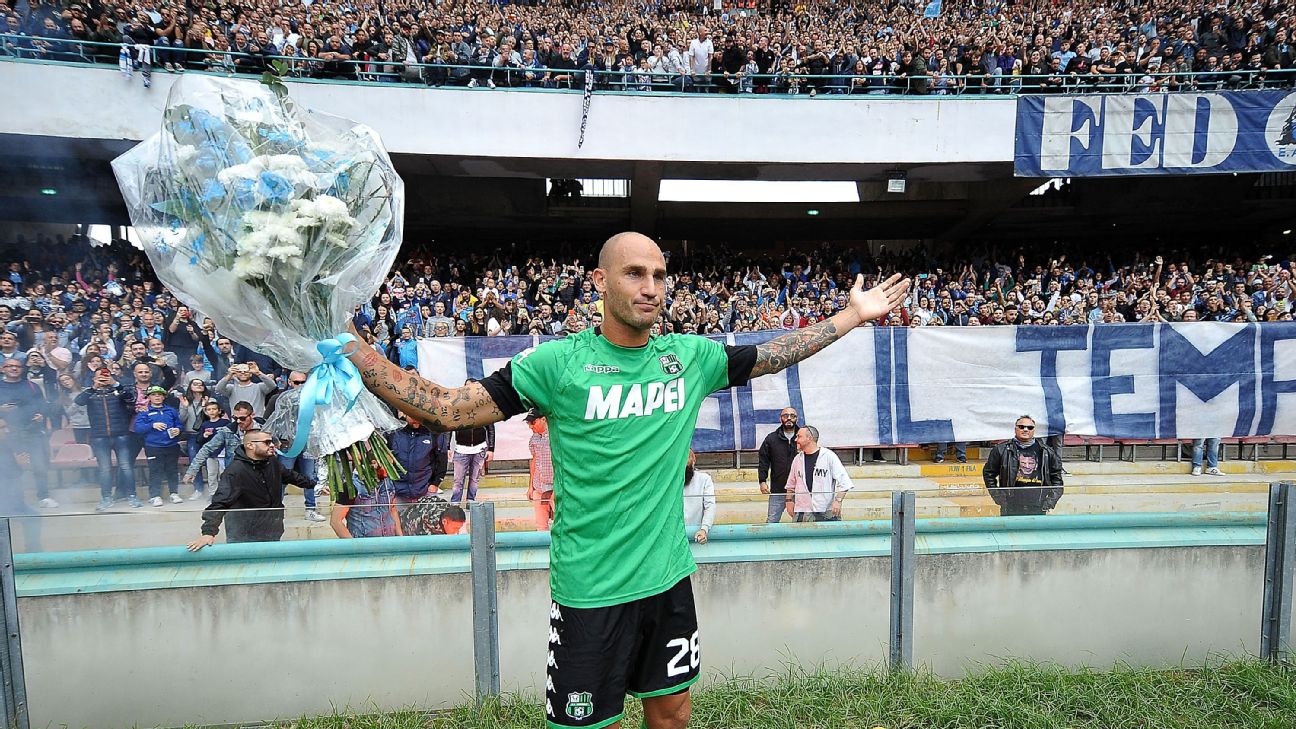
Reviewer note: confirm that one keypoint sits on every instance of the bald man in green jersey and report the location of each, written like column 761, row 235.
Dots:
column 621, row 406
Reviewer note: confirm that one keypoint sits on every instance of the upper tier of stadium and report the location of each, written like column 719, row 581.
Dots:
column 908, row 47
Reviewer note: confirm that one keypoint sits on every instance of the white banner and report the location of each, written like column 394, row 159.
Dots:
column 888, row 385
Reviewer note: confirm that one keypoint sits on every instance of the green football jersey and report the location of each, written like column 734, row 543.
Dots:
column 620, row 424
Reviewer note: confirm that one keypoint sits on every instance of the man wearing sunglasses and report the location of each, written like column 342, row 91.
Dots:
column 249, row 499
column 1024, row 475
column 226, row 440
column 301, row 463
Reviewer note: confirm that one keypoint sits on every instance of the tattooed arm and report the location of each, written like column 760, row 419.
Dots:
column 439, row 408
column 782, row 352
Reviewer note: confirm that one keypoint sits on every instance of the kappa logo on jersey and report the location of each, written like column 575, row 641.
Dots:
column 619, row 401
column 670, row 364
column 580, row 704
column 599, row 369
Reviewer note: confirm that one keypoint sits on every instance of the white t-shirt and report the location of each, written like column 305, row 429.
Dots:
column 699, row 54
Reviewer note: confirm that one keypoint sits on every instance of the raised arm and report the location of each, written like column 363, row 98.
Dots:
column 782, row 352
column 439, row 408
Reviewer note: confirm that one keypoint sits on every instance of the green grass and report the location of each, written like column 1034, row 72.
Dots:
column 1015, row 695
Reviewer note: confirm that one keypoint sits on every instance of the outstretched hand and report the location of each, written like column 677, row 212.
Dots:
column 877, row 301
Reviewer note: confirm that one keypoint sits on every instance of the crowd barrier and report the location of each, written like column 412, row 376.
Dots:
column 85, row 52
column 383, row 624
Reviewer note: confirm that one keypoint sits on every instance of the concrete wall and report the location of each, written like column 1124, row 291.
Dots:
column 1087, row 607
column 97, row 103
column 235, row 653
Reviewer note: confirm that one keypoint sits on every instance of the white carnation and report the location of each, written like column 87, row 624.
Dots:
column 333, row 210
column 251, row 267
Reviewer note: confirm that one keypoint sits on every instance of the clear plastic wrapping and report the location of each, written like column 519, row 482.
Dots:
column 275, row 221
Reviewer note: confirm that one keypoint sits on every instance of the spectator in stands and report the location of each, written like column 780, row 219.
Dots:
column 246, row 383
column 817, row 481
column 156, row 350
column 74, row 415
column 110, row 408
column 368, row 513
column 249, row 497
column 775, row 460
column 301, row 463
column 699, row 501
column 220, row 358
column 1023, row 475
column 23, row 405
column 225, row 440
column 160, row 427
column 431, row 515
column 1210, row 448
column 422, row 454
column 473, row 449
column 197, row 370
column 215, row 419
column 192, row 406
column 404, row 352
column 9, row 348
column 540, row 486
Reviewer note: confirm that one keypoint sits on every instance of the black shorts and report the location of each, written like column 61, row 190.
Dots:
column 645, row 648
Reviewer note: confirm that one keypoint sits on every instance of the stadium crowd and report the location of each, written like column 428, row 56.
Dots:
column 726, row 46
column 77, row 321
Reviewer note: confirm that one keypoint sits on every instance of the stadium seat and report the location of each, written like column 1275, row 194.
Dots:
column 1094, row 441
column 70, row 457
column 60, row 438
column 1284, row 441
column 1134, row 444
column 1255, row 441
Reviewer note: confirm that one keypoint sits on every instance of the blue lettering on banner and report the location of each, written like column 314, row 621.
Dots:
column 1270, row 386
column 1078, row 391
column 1207, row 375
column 1105, row 385
column 882, row 380
column 1089, row 135
column 1048, row 341
column 749, row 417
column 907, row 429
column 479, row 350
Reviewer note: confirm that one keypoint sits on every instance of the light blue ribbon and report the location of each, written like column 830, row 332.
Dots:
column 332, row 377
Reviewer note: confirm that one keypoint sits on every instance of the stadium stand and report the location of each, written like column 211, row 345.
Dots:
column 726, row 47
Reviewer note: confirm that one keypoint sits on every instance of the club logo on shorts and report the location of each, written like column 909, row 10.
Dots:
column 580, row 704
column 670, row 364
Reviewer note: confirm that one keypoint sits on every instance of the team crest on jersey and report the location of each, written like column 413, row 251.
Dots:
column 580, row 704
column 670, row 364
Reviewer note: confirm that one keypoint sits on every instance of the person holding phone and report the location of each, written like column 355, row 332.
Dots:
column 160, row 426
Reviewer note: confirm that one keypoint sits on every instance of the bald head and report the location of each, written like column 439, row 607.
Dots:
column 624, row 245
column 631, row 278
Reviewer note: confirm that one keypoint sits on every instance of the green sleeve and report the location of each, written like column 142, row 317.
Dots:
column 713, row 361
column 536, row 374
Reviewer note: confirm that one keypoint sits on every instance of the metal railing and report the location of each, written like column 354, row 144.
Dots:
column 904, row 529
column 326, row 68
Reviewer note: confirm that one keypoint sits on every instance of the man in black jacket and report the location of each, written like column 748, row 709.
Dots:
column 776, row 454
column 1024, row 475
column 111, row 410
column 250, row 495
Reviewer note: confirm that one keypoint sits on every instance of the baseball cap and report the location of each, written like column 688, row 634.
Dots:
column 155, row 390
column 533, row 415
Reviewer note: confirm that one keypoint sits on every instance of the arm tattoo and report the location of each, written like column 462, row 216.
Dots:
column 782, row 352
column 439, row 408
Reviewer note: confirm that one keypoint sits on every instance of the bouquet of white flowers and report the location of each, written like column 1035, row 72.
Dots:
column 276, row 222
